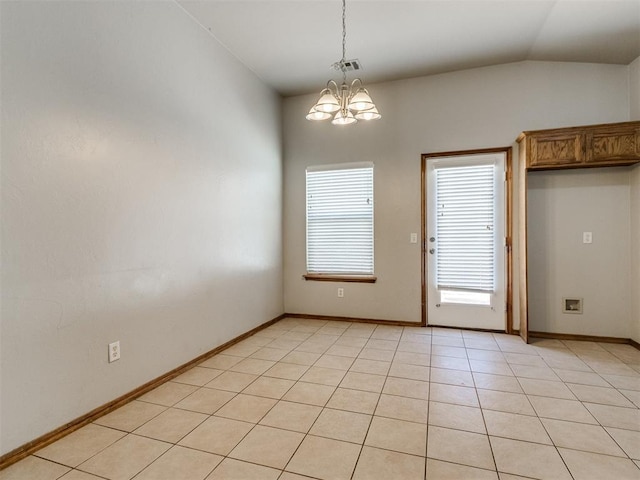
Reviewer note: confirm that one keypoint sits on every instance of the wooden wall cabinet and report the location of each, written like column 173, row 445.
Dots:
column 607, row 145
column 579, row 147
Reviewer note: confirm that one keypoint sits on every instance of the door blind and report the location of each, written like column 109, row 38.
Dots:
column 340, row 220
column 465, row 248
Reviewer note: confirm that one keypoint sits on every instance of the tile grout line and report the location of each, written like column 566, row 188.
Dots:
column 484, row 420
column 257, row 423
column 543, row 425
column 426, row 445
column 323, row 407
column 355, row 467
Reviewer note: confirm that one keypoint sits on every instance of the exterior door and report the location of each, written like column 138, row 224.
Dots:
column 466, row 241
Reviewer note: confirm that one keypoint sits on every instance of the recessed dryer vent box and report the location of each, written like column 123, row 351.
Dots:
column 572, row 305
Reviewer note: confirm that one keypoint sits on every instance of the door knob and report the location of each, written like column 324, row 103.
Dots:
column 432, row 251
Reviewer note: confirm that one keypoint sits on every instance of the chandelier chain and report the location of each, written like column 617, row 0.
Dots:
column 344, row 41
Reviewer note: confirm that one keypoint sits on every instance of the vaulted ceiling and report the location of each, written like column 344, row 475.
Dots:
column 291, row 44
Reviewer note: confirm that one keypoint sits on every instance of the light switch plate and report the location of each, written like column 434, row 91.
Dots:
column 587, row 237
column 414, row 238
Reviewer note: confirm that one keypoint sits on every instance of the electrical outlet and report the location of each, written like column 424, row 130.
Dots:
column 587, row 237
column 340, row 292
column 413, row 238
column 114, row 351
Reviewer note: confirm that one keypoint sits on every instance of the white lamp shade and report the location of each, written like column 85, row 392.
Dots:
column 327, row 103
column 361, row 101
column 316, row 115
column 341, row 119
column 371, row 114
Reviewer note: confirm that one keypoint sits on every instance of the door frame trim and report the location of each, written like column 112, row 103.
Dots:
column 508, row 227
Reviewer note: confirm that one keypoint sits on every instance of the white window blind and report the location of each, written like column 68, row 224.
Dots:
column 340, row 220
column 465, row 228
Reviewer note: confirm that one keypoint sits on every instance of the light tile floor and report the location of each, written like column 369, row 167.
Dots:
column 338, row 401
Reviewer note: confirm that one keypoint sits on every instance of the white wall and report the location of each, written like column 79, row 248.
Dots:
column 634, row 113
column 563, row 205
column 635, row 253
column 471, row 109
column 141, row 202
column 634, row 89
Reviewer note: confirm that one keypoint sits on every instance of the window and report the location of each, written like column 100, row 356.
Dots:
column 340, row 222
column 465, row 297
column 465, row 216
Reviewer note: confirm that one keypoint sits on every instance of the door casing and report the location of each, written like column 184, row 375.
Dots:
column 508, row 228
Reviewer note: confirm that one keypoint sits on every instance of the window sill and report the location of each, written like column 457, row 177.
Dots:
column 319, row 277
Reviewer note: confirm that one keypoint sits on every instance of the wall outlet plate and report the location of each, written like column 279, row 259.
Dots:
column 114, row 351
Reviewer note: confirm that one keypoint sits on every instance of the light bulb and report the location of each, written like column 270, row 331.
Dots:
column 371, row 114
column 361, row 101
column 341, row 119
column 316, row 115
column 327, row 103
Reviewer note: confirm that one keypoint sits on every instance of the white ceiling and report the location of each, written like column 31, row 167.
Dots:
column 291, row 44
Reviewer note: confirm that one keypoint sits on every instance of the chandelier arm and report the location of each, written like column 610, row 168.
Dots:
column 332, row 83
column 353, row 83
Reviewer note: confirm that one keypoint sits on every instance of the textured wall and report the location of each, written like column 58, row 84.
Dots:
column 141, row 202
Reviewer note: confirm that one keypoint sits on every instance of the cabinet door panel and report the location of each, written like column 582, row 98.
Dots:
column 556, row 150
column 613, row 145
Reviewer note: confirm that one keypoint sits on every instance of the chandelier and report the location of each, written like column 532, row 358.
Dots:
column 346, row 103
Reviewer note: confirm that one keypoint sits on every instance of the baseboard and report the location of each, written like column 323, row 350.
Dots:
column 468, row 329
column 585, row 338
column 48, row 438
column 395, row 323
column 580, row 338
